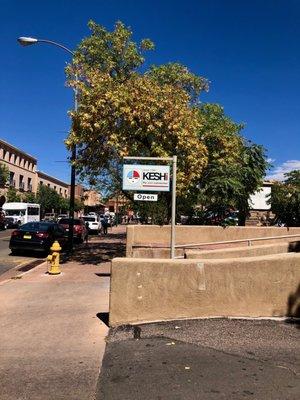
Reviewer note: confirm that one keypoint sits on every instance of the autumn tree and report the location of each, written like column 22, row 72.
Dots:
column 126, row 111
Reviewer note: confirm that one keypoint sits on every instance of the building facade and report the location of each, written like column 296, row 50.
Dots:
column 21, row 166
column 59, row 186
column 24, row 177
column 23, row 174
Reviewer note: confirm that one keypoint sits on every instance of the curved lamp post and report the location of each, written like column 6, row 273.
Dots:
column 27, row 41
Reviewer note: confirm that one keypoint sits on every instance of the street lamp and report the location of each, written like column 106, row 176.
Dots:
column 27, row 41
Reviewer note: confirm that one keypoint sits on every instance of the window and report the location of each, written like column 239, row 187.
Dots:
column 10, row 213
column 41, row 183
column 29, row 185
column 21, row 182
column 12, row 181
column 33, row 211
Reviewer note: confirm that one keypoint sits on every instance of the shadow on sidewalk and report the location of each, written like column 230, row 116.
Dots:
column 108, row 247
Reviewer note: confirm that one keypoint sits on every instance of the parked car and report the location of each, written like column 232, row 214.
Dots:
column 3, row 222
column 50, row 217
column 92, row 222
column 37, row 236
column 80, row 231
column 225, row 217
column 10, row 222
column 60, row 216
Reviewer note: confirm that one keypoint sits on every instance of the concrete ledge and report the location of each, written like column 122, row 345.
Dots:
column 154, row 235
column 146, row 290
column 243, row 251
column 155, row 252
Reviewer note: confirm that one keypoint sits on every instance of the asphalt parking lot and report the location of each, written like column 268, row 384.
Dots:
column 203, row 359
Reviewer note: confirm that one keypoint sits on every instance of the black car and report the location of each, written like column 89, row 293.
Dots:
column 37, row 236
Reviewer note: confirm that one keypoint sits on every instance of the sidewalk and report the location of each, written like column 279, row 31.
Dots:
column 52, row 340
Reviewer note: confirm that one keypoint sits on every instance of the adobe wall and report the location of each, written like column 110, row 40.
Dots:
column 143, row 252
column 154, row 235
column 244, row 251
column 147, row 290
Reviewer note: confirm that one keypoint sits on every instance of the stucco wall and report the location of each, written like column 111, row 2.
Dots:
column 144, row 290
column 142, row 252
column 244, row 251
column 154, row 236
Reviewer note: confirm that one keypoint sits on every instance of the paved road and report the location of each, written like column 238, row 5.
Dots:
column 205, row 359
column 7, row 261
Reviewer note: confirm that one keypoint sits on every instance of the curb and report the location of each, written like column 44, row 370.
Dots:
column 24, row 263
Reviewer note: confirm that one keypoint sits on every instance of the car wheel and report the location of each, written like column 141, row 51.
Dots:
column 15, row 252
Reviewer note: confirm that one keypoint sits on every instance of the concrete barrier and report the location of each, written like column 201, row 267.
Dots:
column 250, row 251
column 155, row 252
column 144, row 290
column 140, row 237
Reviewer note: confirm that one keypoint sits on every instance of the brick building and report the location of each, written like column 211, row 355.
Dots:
column 24, row 177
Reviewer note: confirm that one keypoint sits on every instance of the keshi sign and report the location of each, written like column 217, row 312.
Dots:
column 146, row 177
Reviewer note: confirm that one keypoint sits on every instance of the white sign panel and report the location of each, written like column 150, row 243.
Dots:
column 146, row 177
column 145, row 197
column 258, row 200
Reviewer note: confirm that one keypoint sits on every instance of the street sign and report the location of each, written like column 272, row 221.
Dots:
column 145, row 197
column 155, row 178
column 133, row 172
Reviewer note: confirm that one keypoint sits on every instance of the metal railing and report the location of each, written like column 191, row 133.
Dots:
column 197, row 245
column 248, row 240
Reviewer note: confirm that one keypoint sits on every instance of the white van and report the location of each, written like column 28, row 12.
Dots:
column 92, row 222
column 21, row 213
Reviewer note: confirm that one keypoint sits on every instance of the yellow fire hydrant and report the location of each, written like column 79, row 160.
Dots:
column 54, row 259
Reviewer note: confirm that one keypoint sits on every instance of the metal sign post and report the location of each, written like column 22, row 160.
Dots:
column 174, row 171
column 173, row 224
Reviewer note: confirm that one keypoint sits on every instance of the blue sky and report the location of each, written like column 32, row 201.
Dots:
column 249, row 50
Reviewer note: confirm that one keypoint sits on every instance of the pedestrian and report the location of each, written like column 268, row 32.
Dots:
column 105, row 225
column 87, row 232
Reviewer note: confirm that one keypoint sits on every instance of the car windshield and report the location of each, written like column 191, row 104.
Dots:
column 90, row 219
column 35, row 226
column 14, row 212
column 66, row 221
